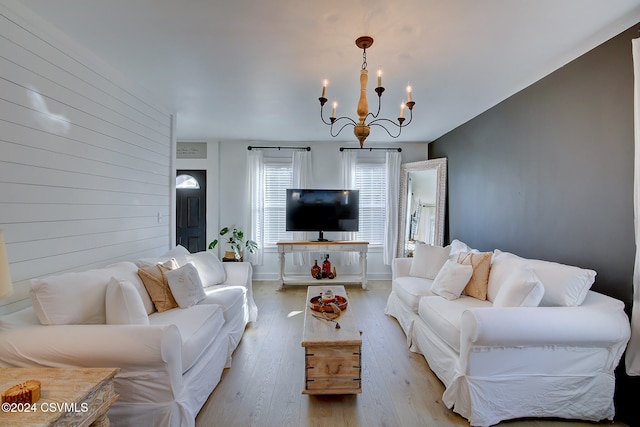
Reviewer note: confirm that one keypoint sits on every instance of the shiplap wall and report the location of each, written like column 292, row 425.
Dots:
column 86, row 163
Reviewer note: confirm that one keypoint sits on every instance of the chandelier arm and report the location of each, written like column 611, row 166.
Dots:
column 402, row 125
column 410, row 118
column 385, row 128
column 343, row 126
column 322, row 116
column 375, row 116
column 353, row 122
column 330, row 123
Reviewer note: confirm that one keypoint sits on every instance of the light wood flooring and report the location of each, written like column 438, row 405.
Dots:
column 264, row 384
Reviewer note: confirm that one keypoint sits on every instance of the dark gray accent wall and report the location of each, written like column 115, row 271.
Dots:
column 548, row 173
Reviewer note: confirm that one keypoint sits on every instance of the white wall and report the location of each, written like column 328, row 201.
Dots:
column 233, row 200
column 85, row 157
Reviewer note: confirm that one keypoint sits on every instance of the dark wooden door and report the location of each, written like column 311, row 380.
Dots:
column 191, row 209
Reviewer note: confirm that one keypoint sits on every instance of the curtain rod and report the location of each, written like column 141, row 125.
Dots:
column 279, row 148
column 399, row 150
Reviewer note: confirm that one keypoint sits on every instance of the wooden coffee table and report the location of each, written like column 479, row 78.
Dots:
column 69, row 396
column 332, row 356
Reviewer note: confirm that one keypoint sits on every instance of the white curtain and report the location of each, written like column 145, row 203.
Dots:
column 255, row 184
column 632, row 357
column 392, row 165
column 348, row 181
column 302, row 178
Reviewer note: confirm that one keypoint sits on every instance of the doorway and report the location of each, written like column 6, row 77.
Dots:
column 191, row 209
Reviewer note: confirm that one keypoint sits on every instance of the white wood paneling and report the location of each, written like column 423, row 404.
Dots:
column 85, row 157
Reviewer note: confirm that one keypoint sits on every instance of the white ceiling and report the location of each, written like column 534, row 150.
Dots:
column 252, row 69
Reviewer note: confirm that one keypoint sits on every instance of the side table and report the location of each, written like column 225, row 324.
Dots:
column 69, row 397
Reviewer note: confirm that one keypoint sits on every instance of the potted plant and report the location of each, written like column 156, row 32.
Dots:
column 236, row 243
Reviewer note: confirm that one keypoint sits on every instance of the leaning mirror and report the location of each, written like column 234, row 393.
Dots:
column 422, row 204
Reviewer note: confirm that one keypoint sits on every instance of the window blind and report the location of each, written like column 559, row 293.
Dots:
column 371, row 180
column 277, row 178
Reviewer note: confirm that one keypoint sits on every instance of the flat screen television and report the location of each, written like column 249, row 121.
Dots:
column 322, row 210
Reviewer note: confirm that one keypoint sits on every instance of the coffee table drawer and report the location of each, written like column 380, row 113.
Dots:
column 333, row 370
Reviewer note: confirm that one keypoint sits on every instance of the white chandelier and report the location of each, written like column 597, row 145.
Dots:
column 361, row 128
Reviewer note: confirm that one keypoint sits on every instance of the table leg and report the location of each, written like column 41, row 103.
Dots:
column 281, row 272
column 363, row 268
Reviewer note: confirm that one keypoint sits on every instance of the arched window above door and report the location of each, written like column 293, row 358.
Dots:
column 185, row 181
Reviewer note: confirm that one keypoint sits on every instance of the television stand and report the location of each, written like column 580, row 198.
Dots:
column 323, row 246
column 321, row 237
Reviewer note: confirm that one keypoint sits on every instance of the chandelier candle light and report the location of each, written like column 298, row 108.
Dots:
column 361, row 129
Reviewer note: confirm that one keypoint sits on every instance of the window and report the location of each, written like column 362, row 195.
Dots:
column 277, row 178
column 371, row 180
column 187, row 181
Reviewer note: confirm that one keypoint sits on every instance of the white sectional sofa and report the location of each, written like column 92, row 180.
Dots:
column 169, row 362
column 540, row 345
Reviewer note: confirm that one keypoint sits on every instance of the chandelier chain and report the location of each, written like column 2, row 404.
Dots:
column 364, row 58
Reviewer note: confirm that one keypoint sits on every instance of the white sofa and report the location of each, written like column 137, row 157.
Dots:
column 169, row 361
column 549, row 349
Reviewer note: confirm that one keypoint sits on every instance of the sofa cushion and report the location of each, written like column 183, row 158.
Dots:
column 157, row 286
column 231, row 299
column 178, row 252
column 522, row 289
column 428, row 260
column 75, row 297
column 129, row 271
column 410, row 289
column 185, row 285
column 209, row 267
column 564, row 285
column 479, row 281
column 444, row 317
column 198, row 326
column 451, row 279
column 123, row 305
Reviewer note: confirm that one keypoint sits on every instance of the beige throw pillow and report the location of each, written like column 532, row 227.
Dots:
column 479, row 282
column 157, row 286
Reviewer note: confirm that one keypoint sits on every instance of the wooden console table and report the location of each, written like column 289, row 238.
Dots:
column 69, row 397
column 314, row 246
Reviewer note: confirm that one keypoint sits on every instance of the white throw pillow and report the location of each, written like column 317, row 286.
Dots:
column 501, row 267
column 458, row 246
column 185, row 285
column 428, row 260
column 209, row 267
column 564, row 285
column 451, row 279
column 123, row 304
column 521, row 289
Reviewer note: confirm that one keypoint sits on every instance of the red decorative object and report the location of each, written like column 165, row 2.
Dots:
column 316, row 304
column 326, row 267
column 315, row 270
